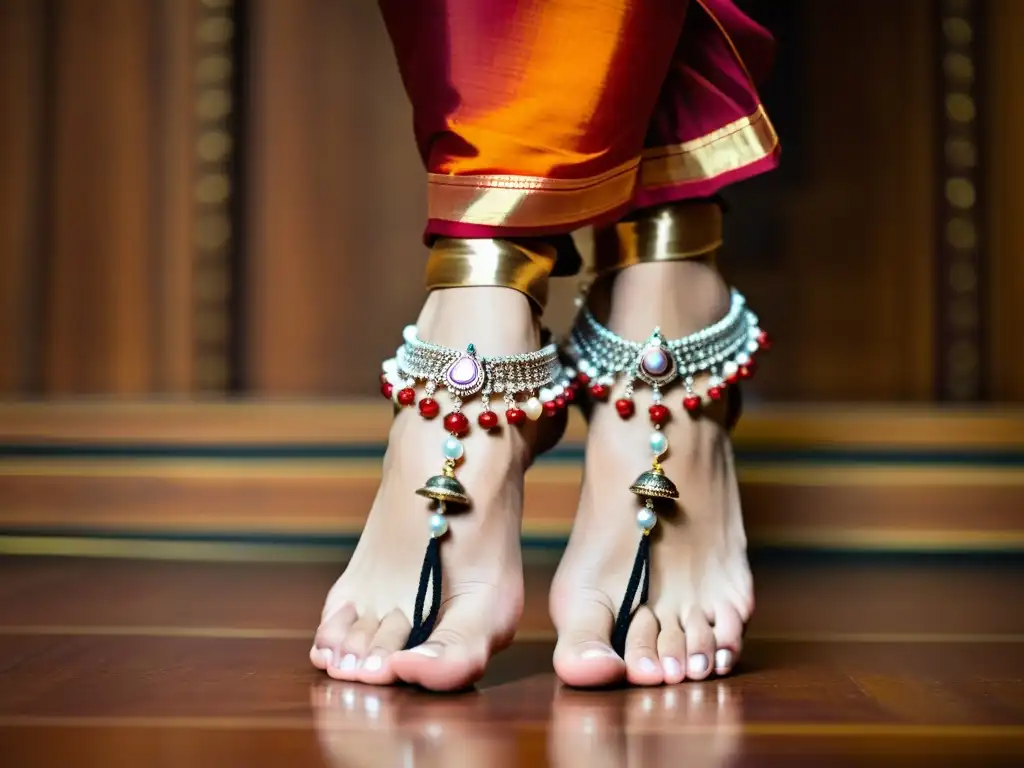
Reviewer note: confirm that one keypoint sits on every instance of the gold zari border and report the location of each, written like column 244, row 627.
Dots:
column 731, row 147
column 527, row 202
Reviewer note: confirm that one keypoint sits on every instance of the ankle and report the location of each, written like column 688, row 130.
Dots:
column 680, row 297
column 500, row 321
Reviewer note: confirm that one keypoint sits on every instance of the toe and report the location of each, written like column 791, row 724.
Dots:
column 672, row 649
column 330, row 635
column 584, row 656
column 456, row 653
column 728, row 633
column 354, row 646
column 642, row 665
column 700, row 645
column 391, row 637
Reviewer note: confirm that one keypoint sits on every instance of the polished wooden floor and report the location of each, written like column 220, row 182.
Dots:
column 851, row 660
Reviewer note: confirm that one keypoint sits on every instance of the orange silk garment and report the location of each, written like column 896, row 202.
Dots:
column 537, row 117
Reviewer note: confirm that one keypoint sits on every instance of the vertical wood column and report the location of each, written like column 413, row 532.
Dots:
column 1005, row 310
column 961, row 239
column 24, row 84
column 102, row 223
column 336, row 200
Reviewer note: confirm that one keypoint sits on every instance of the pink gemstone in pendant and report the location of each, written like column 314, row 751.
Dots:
column 656, row 362
column 464, row 372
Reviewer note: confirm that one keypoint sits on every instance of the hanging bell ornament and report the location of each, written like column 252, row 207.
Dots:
column 654, row 484
column 446, row 489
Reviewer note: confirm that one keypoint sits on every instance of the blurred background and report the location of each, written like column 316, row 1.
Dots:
column 210, row 218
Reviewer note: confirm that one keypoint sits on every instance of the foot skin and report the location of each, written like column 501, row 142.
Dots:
column 701, row 592
column 367, row 616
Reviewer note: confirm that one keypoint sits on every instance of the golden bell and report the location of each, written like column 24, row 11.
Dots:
column 446, row 489
column 654, row 483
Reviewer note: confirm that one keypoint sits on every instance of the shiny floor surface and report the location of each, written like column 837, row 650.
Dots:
column 880, row 661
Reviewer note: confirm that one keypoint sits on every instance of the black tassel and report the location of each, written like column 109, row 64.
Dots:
column 641, row 570
column 430, row 574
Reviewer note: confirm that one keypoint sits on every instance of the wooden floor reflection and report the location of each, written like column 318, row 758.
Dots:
column 849, row 662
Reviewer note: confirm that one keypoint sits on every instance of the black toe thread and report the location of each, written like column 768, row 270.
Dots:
column 429, row 575
column 641, row 570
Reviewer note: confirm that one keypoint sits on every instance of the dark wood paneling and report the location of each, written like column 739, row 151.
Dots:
column 845, row 279
column 101, row 331
column 334, row 264
column 23, row 96
column 99, row 153
column 1005, row 64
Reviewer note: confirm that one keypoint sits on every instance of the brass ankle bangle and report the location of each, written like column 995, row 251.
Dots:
column 667, row 233
column 523, row 265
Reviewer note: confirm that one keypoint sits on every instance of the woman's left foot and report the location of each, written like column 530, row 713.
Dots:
column 701, row 590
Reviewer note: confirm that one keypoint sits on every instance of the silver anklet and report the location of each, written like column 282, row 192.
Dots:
column 529, row 386
column 724, row 350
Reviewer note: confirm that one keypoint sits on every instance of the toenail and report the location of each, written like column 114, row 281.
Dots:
column 723, row 659
column 598, row 653
column 425, row 650
column 671, row 666
column 698, row 664
column 349, row 662
column 647, row 665
column 326, row 655
column 372, row 664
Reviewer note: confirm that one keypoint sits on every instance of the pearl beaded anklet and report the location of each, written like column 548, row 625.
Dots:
column 531, row 385
column 724, row 351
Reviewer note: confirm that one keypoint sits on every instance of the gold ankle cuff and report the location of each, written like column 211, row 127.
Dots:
column 458, row 262
column 669, row 233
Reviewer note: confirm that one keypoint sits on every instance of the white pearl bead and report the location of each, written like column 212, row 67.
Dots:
column 646, row 519
column 453, row 448
column 409, row 333
column 752, row 346
column 438, row 525
column 390, row 366
column 659, row 443
column 730, row 369
column 546, row 395
column 742, row 358
column 533, row 408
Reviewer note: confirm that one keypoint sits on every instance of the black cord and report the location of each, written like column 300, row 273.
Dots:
column 641, row 569
column 430, row 573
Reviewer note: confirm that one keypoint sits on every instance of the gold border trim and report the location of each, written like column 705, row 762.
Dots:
column 504, row 200
column 736, row 145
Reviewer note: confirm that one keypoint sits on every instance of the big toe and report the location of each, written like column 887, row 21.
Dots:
column 457, row 651
column 584, row 657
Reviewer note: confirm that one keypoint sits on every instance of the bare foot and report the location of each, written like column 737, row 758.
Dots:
column 366, row 619
column 701, row 592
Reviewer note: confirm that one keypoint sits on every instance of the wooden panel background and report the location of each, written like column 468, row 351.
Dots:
column 1005, row 67
column 96, row 194
column 105, row 286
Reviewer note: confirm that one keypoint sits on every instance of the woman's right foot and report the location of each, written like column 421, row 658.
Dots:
column 368, row 613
